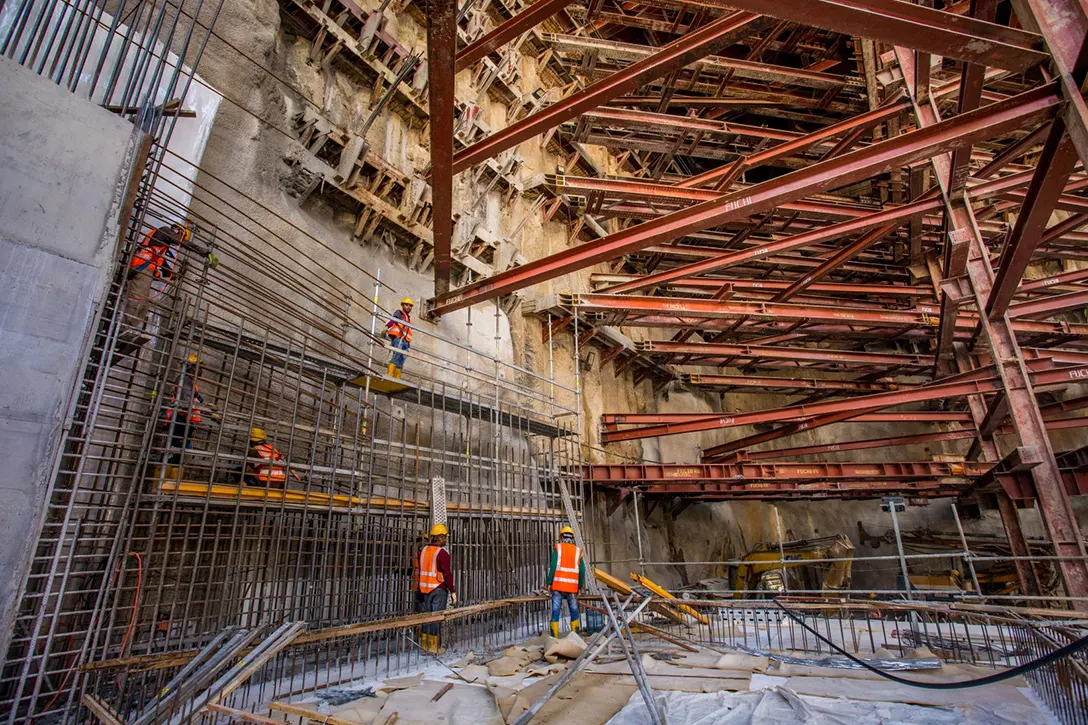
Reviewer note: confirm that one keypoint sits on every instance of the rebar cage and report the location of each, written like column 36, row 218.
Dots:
column 157, row 533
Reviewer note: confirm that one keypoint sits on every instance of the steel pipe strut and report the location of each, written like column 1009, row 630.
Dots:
column 963, row 130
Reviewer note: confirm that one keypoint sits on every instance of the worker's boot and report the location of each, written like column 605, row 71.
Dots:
column 426, row 640
column 555, row 629
column 396, row 373
column 438, row 649
column 391, row 370
column 574, row 625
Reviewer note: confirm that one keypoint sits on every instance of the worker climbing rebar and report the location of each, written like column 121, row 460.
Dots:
column 436, row 584
column 186, row 410
column 399, row 332
column 566, row 575
column 272, row 468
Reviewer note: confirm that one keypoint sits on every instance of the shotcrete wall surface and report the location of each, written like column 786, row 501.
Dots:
column 64, row 167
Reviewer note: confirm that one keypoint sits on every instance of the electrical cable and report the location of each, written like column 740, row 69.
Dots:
column 1058, row 654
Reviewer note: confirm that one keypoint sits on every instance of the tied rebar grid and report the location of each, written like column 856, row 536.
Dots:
column 153, row 542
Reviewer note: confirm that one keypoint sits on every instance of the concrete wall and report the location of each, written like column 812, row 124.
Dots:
column 64, row 168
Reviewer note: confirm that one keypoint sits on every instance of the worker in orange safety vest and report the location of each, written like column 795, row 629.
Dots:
column 400, row 335
column 185, row 409
column 565, row 577
column 272, row 470
column 153, row 261
column 436, row 584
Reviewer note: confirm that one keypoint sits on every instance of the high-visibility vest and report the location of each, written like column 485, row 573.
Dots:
column 415, row 570
column 566, row 568
column 429, row 577
column 152, row 256
column 194, row 414
column 397, row 329
column 265, row 471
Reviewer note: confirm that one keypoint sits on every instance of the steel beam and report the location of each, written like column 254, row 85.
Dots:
column 932, row 391
column 628, row 475
column 914, row 26
column 794, row 354
column 813, row 490
column 963, row 130
column 1056, row 163
column 708, row 285
column 749, row 381
column 522, row 22
column 441, row 45
column 709, row 39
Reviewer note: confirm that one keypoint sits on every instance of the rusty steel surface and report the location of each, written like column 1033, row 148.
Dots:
column 504, row 33
column 441, row 46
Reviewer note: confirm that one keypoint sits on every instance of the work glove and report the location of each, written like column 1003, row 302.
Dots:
column 213, row 260
column 453, row 599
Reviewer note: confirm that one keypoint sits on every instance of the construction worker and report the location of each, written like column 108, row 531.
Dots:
column 267, row 472
column 154, row 260
column 566, row 575
column 185, row 409
column 436, row 584
column 400, row 335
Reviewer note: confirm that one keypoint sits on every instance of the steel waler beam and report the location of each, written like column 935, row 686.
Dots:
column 709, row 39
column 441, row 46
column 963, row 130
column 964, row 384
column 525, row 20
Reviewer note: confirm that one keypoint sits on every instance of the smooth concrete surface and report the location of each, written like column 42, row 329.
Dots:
column 64, row 167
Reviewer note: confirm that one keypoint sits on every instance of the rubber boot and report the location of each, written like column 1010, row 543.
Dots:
column 555, row 629
column 574, row 625
column 396, row 373
column 427, row 646
column 391, row 370
column 438, row 649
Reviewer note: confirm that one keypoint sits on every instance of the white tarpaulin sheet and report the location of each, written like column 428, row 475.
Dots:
column 781, row 706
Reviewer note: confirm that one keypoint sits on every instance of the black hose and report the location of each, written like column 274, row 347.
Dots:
column 1067, row 650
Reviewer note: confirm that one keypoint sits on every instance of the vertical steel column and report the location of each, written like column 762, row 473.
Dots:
column 1025, row 569
column 441, row 51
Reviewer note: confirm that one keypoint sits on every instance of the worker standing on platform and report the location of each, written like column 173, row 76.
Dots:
column 567, row 574
column 436, row 584
column 271, row 471
column 399, row 332
column 185, row 410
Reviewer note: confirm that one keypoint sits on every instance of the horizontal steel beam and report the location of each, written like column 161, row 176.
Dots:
column 711, row 350
column 958, row 132
column 914, row 26
column 934, row 391
column 708, row 285
column 752, row 381
column 784, row 490
column 647, row 473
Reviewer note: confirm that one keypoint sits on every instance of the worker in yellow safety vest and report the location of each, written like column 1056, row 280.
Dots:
column 399, row 332
column 272, row 469
column 567, row 574
column 435, row 583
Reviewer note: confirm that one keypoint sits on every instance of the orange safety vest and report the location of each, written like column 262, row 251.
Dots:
column 265, row 471
column 566, row 568
column 429, row 578
column 396, row 329
column 194, row 414
column 415, row 570
column 151, row 256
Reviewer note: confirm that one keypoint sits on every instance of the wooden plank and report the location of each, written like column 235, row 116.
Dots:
column 101, row 710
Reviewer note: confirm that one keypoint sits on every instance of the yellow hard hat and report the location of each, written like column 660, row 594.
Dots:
column 439, row 530
column 257, row 435
column 192, row 359
column 566, row 530
column 408, row 301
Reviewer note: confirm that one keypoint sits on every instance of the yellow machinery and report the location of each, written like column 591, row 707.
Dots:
column 761, row 570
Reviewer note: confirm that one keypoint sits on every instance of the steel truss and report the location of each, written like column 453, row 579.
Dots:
column 824, row 209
